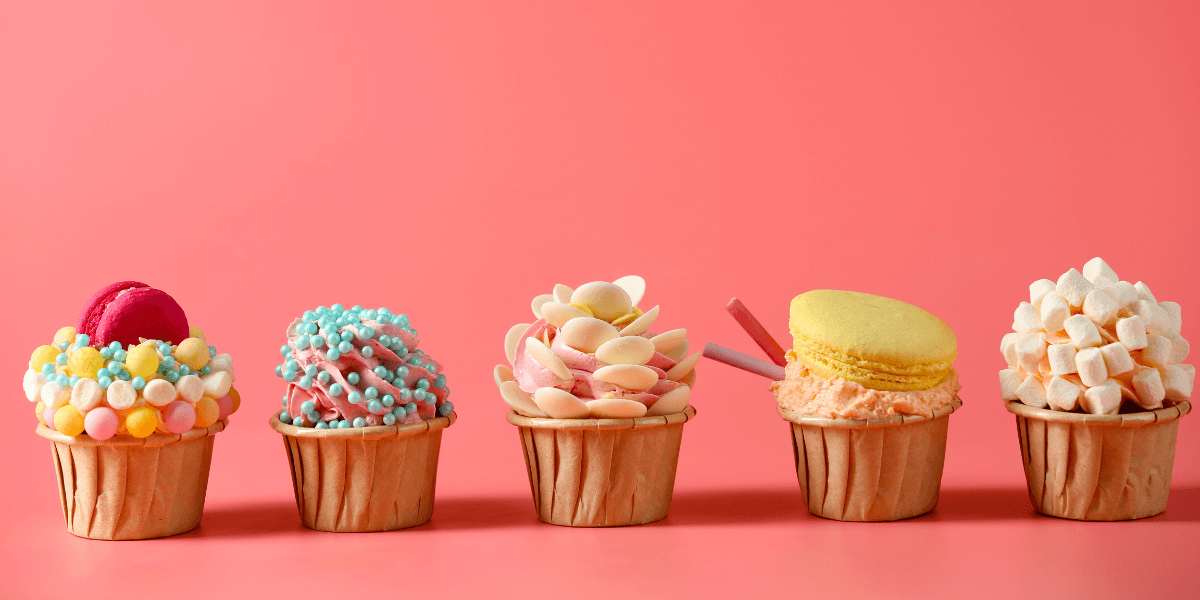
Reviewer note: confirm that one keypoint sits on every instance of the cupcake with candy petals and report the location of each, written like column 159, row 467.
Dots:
column 362, row 418
column 131, row 398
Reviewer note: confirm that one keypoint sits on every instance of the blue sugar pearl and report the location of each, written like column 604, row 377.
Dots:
column 333, row 338
column 383, row 311
column 380, row 371
column 415, row 361
column 333, row 354
column 61, row 359
column 169, row 361
column 360, row 422
column 307, row 407
column 370, row 314
column 106, row 353
column 306, row 382
column 399, row 412
column 445, row 409
column 302, row 342
column 316, row 341
column 47, row 368
column 113, row 366
column 423, row 383
column 309, row 328
column 206, row 369
column 321, row 310
column 432, row 368
column 345, row 347
column 323, row 376
column 413, row 331
column 125, row 374
column 356, row 308
column 353, row 378
column 115, row 346
column 374, row 406
column 308, row 315
column 406, row 395
column 344, row 424
column 354, row 397
column 421, row 352
column 402, row 373
column 63, row 380
column 291, row 364
column 340, row 322
column 388, row 400
column 289, row 375
column 82, row 340
column 322, row 425
column 314, row 417
column 172, row 375
column 119, row 355
column 368, row 351
column 63, row 345
column 138, row 383
column 419, row 395
column 399, row 348
column 164, row 349
column 347, row 335
column 285, row 350
column 440, row 382
column 371, row 393
column 335, row 389
column 104, row 382
column 337, row 308
column 410, row 408
column 298, row 421
column 285, row 401
column 74, row 380
column 184, row 370
column 279, row 370
column 366, row 333
column 389, row 419
column 386, row 340
column 285, row 417
column 212, row 351
column 311, row 370
column 391, row 375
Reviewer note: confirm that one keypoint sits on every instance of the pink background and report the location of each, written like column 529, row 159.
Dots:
column 256, row 159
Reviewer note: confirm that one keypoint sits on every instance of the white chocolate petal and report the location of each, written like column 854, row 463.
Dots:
column 665, row 342
column 560, row 404
column 587, row 334
column 635, row 378
column 616, row 408
column 562, row 293
column 557, row 313
column 641, row 324
column 519, row 400
column 511, row 339
column 684, row 367
column 538, row 302
column 607, row 300
column 634, row 286
column 626, row 350
column 671, row 402
column 544, row 355
column 501, row 374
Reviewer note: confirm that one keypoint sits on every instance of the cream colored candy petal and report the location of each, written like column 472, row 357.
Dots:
column 543, row 354
column 519, row 400
column 587, row 334
column 678, row 352
column 641, row 324
column 557, row 313
column 684, row 367
column 511, row 339
column 665, row 342
column 607, row 300
column 671, row 402
column 636, row 378
column 562, row 293
column 627, row 350
column 634, row 286
column 616, row 408
column 689, row 379
column 501, row 374
column 538, row 302
column 291, row 328
column 560, row 404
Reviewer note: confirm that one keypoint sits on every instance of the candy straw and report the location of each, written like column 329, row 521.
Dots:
column 744, row 362
column 742, row 315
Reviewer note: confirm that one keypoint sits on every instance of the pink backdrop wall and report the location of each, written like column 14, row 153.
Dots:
column 256, row 159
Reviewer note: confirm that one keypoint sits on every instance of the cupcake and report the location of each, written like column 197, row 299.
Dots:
column 600, row 402
column 131, row 399
column 362, row 419
column 868, row 389
column 1097, row 382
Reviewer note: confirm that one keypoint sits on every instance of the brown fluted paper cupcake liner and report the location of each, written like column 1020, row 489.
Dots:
column 361, row 479
column 1098, row 467
column 870, row 470
column 602, row 472
column 126, row 488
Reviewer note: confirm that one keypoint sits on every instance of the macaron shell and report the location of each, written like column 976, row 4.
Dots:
column 93, row 311
column 142, row 312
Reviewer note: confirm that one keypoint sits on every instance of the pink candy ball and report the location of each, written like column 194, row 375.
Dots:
column 101, row 423
column 225, row 404
column 179, row 416
column 48, row 417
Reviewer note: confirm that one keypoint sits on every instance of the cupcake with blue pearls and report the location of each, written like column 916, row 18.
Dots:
column 362, row 397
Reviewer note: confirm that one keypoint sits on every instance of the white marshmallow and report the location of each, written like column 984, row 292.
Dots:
column 86, row 394
column 1100, row 307
column 1178, row 381
column 1082, row 331
column 33, row 383
column 190, row 388
column 1073, row 286
column 159, row 392
column 1144, row 293
column 1032, row 392
column 1179, row 348
column 121, row 395
column 1096, row 269
column 1038, row 290
column 1157, row 352
column 1008, row 347
column 1124, row 293
column 216, row 384
column 1132, row 333
column 54, row 395
column 1149, row 387
column 1062, row 359
column 1103, row 399
column 1149, row 313
column 1054, row 310
column 1025, row 319
column 1174, row 312
column 1116, row 358
column 1031, row 349
column 1010, row 380
column 1090, row 363
column 1062, row 394
column 223, row 362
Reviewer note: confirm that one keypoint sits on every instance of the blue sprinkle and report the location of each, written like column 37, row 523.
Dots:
column 335, row 389
column 322, row 425
column 360, row 422
column 367, row 351
column 279, row 370
column 306, row 382
column 184, row 370
column 307, row 407
column 440, row 382
column 371, row 393
column 345, row 347
column 285, row 350
column 172, row 375
column 333, row 354
column 206, row 369
column 423, row 383
column 445, row 409
column 389, row 419
column 298, row 421
column 48, row 369
column 310, row 370
column 353, row 378
column 285, row 417
column 354, row 397
column 138, row 383
column 61, row 359
column 374, row 406
column 344, row 424
column 302, row 342
column 388, row 400
column 323, row 376
column 104, row 382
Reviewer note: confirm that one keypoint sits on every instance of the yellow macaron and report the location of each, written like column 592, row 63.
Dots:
column 881, row 343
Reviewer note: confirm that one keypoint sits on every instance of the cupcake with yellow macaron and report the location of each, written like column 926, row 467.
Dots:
column 131, row 398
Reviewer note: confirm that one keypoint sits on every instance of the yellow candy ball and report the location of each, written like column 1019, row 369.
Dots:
column 207, row 412
column 192, row 352
column 66, row 334
column 85, row 361
column 196, row 333
column 68, row 421
column 140, row 422
column 237, row 400
column 40, row 411
column 142, row 361
column 41, row 356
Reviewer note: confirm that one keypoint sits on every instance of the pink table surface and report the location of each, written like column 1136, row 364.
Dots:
column 256, row 159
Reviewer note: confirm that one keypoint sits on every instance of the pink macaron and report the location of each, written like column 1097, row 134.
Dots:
column 128, row 310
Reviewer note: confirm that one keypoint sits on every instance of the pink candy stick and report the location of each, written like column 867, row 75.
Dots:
column 744, row 362
column 760, row 336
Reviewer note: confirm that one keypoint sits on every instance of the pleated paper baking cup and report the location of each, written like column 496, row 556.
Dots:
column 870, row 470
column 126, row 488
column 361, row 479
column 1098, row 467
column 602, row 472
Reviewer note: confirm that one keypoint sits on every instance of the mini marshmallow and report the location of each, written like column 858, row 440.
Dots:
column 1010, row 380
column 1116, row 358
column 1179, row 348
column 1149, row 313
column 1082, row 331
column 121, row 395
column 1062, row 359
column 1054, row 311
column 1074, row 287
column 1144, row 293
column 1025, row 319
column 1123, row 292
column 1149, row 387
column 216, row 384
column 1062, row 394
column 54, row 395
column 1097, row 269
column 1008, row 347
column 1132, row 333
column 159, row 392
column 1099, row 307
column 190, row 388
column 1031, row 349
column 1039, row 289
column 1174, row 312
column 222, row 362
column 1090, row 363
column 1103, row 399
column 1178, row 381
column 33, row 383
column 86, row 394
column 1032, row 392
column 1157, row 353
